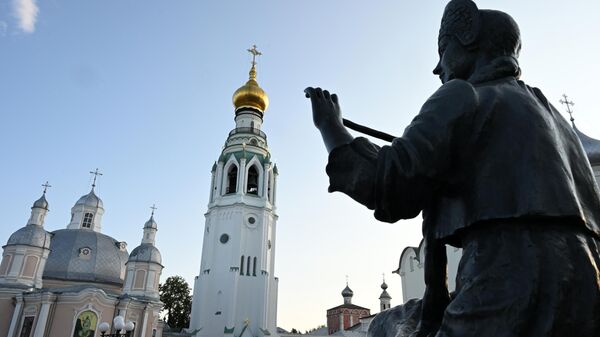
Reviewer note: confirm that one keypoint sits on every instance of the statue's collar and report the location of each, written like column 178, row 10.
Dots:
column 499, row 68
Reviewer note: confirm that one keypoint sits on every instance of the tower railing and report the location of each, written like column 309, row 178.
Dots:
column 254, row 131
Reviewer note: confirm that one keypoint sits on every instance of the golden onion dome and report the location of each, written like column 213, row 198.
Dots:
column 251, row 95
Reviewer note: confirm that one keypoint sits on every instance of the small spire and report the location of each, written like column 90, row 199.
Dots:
column 46, row 186
column 96, row 173
column 346, row 280
column 569, row 104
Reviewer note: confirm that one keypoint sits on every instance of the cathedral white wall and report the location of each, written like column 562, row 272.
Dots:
column 412, row 271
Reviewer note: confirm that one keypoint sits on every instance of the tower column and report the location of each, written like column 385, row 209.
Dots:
column 16, row 315
column 242, row 177
column 42, row 320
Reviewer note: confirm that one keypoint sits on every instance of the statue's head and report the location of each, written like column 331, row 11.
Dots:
column 469, row 36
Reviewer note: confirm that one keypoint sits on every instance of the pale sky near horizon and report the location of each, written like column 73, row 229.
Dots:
column 142, row 90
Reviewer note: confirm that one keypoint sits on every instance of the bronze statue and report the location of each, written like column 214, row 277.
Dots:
column 494, row 169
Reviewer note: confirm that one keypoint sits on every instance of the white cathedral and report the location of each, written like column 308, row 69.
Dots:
column 235, row 292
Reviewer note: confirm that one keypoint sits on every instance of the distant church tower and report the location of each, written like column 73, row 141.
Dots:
column 235, row 293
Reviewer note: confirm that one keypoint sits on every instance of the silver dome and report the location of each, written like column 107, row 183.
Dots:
column 151, row 223
column 91, row 200
column 591, row 146
column 30, row 235
column 86, row 256
column 41, row 203
column 145, row 252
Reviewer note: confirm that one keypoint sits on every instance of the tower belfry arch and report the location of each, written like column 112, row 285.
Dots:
column 236, row 290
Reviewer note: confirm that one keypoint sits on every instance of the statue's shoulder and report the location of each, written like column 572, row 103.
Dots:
column 457, row 89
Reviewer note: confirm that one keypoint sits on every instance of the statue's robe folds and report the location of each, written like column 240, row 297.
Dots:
column 496, row 170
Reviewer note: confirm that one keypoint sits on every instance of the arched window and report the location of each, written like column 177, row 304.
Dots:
column 231, row 180
column 252, row 181
column 269, row 183
column 254, row 267
column 87, row 220
column 248, row 267
column 242, row 266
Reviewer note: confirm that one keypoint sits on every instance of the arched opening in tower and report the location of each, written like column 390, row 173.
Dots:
column 252, row 187
column 232, row 180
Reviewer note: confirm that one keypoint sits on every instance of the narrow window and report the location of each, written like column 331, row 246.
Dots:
column 4, row 266
column 252, row 125
column 232, row 180
column 87, row 220
column 248, row 267
column 242, row 266
column 252, row 180
column 140, row 279
column 254, row 267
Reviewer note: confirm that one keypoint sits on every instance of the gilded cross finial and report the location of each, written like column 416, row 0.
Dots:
column 153, row 208
column 246, row 322
column 46, row 186
column 254, row 53
column 96, row 173
column 569, row 104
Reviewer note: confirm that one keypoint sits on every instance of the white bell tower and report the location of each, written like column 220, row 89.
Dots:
column 235, row 293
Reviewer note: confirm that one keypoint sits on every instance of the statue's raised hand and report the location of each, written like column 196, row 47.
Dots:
column 327, row 117
column 325, row 107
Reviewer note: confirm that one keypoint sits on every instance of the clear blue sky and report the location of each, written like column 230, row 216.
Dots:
column 142, row 90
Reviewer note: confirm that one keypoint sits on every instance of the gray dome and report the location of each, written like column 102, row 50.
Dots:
column 86, row 256
column 91, row 200
column 151, row 223
column 591, row 146
column 41, row 202
column 347, row 292
column 30, row 235
column 145, row 252
column 384, row 285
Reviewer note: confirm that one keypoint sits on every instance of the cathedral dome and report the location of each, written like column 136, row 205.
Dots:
column 151, row 223
column 41, row 203
column 91, row 200
column 86, row 256
column 145, row 253
column 251, row 95
column 30, row 235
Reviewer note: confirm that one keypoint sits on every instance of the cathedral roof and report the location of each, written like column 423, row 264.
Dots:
column 91, row 200
column 86, row 256
column 384, row 295
column 30, row 235
column 145, row 252
column 591, row 146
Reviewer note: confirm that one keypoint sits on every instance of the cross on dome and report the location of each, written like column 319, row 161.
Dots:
column 46, row 186
column 254, row 53
column 569, row 104
column 153, row 208
column 96, row 173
